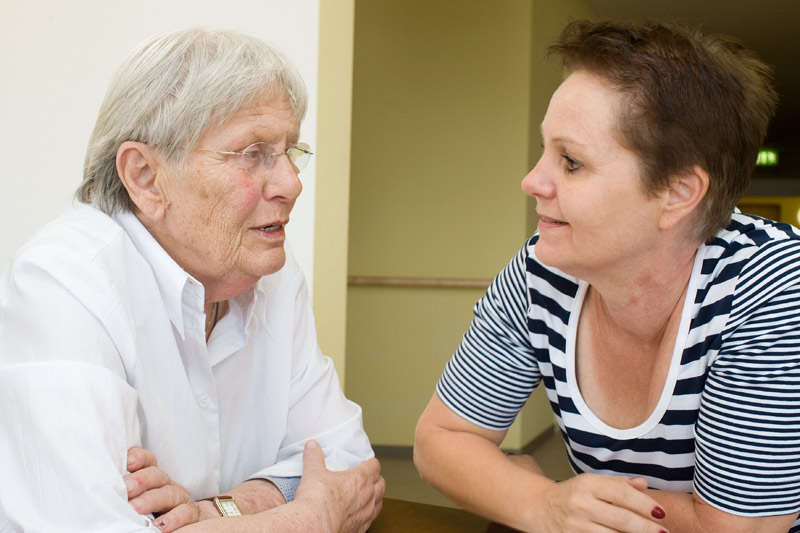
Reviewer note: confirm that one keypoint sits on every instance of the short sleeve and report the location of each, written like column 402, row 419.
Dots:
column 748, row 429
column 493, row 372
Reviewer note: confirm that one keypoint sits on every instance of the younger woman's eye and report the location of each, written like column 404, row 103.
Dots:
column 571, row 164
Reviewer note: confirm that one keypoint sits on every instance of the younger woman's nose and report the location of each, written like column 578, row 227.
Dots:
column 536, row 184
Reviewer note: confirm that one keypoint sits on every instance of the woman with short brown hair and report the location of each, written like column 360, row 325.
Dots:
column 660, row 321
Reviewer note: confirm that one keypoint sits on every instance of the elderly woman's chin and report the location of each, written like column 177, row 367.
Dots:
column 232, row 275
column 259, row 263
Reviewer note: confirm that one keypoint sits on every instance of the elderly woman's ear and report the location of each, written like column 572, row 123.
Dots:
column 143, row 174
column 685, row 193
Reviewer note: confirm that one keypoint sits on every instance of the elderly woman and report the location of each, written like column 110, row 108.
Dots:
column 164, row 314
column 662, row 323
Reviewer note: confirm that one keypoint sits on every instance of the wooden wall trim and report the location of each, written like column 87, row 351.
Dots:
column 439, row 283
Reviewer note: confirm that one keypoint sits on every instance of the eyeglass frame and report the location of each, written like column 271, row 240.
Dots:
column 272, row 157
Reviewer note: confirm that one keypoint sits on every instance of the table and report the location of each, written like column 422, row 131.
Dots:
column 407, row 517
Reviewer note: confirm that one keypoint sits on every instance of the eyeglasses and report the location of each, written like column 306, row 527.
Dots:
column 261, row 156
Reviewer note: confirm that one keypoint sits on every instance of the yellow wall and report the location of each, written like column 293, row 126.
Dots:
column 333, row 176
column 440, row 135
column 397, row 342
column 780, row 208
column 447, row 101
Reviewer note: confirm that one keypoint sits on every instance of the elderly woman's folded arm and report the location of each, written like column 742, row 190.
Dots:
column 346, row 501
column 63, row 479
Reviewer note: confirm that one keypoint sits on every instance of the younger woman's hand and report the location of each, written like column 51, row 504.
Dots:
column 587, row 501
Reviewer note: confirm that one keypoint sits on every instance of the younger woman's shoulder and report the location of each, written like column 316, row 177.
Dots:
column 758, row 256
column 751, row 230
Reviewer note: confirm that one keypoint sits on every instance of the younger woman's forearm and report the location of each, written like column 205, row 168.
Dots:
column 476, row 475
column 688, row 513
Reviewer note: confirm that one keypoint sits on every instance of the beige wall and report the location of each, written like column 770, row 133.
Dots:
column 447, row 101
column 58, row 59
column 333, row 169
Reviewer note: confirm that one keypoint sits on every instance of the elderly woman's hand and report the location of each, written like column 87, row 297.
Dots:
column 587, row 501
column 349, row 500
column 150, row 490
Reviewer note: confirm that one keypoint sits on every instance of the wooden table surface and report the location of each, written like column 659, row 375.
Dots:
column 409, row 517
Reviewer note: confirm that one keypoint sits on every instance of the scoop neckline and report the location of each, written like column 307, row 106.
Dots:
column 672, row 376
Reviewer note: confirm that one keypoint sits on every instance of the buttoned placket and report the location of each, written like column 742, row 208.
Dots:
column 197, row 363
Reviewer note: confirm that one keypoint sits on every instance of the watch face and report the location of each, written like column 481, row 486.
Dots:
column 229, row 507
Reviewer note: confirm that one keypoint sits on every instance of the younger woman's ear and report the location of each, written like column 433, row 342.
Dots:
column 686, row 192
column 141, row 170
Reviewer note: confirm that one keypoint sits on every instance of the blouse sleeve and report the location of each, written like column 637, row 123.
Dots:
column 318, row 408
column 493, row 372
column 748, row 428
column 67, row 417
column 66, row 427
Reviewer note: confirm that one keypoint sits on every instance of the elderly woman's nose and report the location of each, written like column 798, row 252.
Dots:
column 284, row 180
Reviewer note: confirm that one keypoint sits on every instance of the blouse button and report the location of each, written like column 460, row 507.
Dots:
column 203, row 400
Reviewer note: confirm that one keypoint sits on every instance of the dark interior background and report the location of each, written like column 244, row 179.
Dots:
column 769, row 27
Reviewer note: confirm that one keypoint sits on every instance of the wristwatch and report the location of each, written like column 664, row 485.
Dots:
column 226, row 505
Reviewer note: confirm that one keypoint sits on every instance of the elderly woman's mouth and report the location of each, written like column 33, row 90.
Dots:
column 274, row 229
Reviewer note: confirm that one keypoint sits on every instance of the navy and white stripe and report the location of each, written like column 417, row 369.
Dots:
column 728, row 422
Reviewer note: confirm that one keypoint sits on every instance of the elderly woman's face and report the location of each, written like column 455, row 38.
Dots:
column 594, row 213
column 224, row 225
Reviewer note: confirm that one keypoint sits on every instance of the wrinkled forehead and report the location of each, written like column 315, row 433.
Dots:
column 268, row 118
column 277, row 98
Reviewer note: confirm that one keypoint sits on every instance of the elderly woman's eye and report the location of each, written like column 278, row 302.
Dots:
column 253, row 153
column 571, row 164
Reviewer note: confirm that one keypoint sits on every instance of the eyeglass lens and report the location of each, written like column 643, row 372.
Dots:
column 261, row 156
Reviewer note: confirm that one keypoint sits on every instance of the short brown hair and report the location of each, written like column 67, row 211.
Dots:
column 689, row 99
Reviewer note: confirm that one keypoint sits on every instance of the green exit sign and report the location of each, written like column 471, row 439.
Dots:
column 767, row 158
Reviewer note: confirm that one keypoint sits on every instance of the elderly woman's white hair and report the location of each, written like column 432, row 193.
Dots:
column 172, row 88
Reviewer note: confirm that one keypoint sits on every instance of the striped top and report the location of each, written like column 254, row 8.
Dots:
column 728, row 421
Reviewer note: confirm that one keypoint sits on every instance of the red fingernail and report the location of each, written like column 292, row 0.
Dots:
column 658, row 513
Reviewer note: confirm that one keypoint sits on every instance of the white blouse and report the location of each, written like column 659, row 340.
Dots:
column 102, row 347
